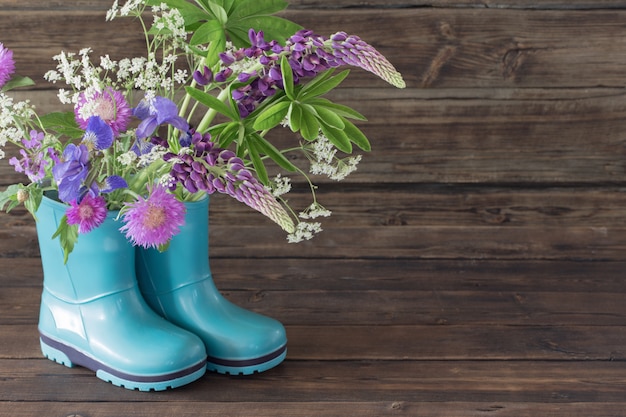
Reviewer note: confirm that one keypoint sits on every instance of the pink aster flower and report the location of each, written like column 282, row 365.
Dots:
column 88, row 214
column 153, row 221
column 7, row 65
column 110, row 105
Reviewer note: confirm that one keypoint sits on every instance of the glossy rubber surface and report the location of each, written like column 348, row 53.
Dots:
column 93, row 315
column 177, row 284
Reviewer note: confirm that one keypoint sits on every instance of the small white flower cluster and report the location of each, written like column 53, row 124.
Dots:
column 304, row 231
column 127, row 158
column 155, row 154
column 314, row 211
column 324, row 160
column 279, row 185
column 130, row 7
column 12, row 113
column 170, row 24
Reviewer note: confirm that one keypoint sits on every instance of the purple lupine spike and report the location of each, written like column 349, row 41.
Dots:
column 354, row 51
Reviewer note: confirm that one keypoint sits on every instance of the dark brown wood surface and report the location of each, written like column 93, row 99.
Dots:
column 475, row 263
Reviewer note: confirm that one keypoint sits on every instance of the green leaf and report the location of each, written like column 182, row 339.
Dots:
column 17, row 81
column 257, row 162
column 338, row 138
column 287, row 73
column 247, row 8
column 211, row 31
column 309, row 127
column 8, row 197
column 356, row 136
column 68, row 236
column 211, row 102
column 294, row 116
column 340, row 109
column 314, row 89
column 63, row 123
column 270, row 150
column 271, row 115
column 218, row 12
column 35, row 195
column 329, row 117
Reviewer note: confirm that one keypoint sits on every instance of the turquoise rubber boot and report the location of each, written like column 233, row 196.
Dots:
column 177, row 284
column 92, row 313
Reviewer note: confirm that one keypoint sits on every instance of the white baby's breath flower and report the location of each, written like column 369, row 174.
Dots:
column 181, row 76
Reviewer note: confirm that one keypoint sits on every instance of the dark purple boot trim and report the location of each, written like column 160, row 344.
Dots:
column 247, row 362
column 85, row 361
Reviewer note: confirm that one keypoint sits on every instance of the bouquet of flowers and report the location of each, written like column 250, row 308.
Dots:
column 189, row 118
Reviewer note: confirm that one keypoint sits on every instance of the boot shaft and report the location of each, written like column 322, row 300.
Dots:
column 102, row 261
column 185, row 261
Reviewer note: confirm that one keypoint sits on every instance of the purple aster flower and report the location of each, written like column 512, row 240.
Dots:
column 155, row 112
column 110, row 105
column 153, row 221
column 7, row 65
column 98, row 135
column 88, row 214
column 71, row 172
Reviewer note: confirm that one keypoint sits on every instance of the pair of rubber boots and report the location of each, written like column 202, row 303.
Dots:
column 142, row 319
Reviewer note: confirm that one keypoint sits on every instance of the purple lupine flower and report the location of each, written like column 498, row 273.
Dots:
column 71, row 172
column 110, row 105
column 197, row 172
column 98, row 134
column 7, row 65
column 88, row 214
column 203, row 77
column 153, row 221
column 352, row 50
column 155, row 112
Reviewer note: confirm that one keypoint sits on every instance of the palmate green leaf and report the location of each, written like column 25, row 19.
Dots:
column 211, row 31
column 271, row 116
column 190, row 13
column 212, row 102
column 247, row 8
column 323, row 86
column 329, row 117
column 339, row 109
column 63, row 123
column 309, row 125
column 356, row 136
column 337, row 137
column 303, row 118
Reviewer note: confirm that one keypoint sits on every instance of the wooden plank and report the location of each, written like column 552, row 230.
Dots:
column 434, row 307
column 313, row 381
column 313, row 409
column 234, row 274
column 413, row 342
column 448, row 47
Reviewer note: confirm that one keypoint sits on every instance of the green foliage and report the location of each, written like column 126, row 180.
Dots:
column 63, row 123
column 68, row 236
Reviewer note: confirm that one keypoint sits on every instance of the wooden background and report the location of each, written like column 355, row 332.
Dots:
column 474, row 264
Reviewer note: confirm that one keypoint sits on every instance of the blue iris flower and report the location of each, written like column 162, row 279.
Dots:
column 71, row 172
